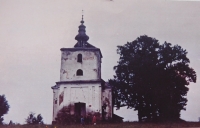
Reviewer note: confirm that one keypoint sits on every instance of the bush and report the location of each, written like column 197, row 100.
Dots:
column 31, row 119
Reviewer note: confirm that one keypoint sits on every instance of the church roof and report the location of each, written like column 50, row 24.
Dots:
column 82, row 38
column 82, row 43
column 86, row 45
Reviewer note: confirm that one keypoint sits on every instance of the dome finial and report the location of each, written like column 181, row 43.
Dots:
column 82, row 21
column 82, row 38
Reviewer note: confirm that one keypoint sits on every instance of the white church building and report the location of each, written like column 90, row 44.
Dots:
column 80, row 87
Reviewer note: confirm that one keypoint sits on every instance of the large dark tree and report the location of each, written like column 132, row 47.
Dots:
column 152, row 78
column 4, row 107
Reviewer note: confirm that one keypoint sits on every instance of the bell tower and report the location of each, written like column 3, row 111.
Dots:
column 80, row 86
column 83, row 62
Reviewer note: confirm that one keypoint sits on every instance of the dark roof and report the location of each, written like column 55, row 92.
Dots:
column 82, row 37
column 86, row 45
column 117, row 118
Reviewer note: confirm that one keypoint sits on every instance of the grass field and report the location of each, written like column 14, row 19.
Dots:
column 119, row 125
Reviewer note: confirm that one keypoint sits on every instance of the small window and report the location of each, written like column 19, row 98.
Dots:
column 79, row 58
column 79, row 72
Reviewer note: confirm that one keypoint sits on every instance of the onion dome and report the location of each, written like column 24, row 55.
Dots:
column 82, row 38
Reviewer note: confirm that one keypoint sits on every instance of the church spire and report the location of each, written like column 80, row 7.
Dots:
column 82, row 21
column 82, row 38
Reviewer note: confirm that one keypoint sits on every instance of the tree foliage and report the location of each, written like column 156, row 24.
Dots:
column 152, row 78
column 64, row 117
column 32, row 119
column 4, row 107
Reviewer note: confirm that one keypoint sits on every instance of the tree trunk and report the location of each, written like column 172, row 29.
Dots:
column 139, row 115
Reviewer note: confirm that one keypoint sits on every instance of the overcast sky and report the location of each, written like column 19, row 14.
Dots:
column 33, row 31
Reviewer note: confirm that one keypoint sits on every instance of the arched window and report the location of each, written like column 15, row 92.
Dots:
column 79, row 72
column 79, row 58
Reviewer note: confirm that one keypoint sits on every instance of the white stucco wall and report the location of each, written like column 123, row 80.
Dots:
column 89, row 93
column 55, row 102
column 74, row 89
column 90, row 65
column 107, row 100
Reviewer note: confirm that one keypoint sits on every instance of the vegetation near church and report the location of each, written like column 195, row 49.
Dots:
column 32, row 119
column 152, row 78
column 4, row 107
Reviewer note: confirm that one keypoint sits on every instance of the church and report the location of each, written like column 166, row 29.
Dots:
column 81, row 88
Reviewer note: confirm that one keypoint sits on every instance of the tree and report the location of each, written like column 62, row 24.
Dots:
column 64, row 117
column 152, row 78
column 31, row 119
column 4, row 107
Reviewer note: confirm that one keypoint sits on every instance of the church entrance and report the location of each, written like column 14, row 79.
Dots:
column 80, row 109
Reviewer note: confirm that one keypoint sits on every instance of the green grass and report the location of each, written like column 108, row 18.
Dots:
column 119, row 125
